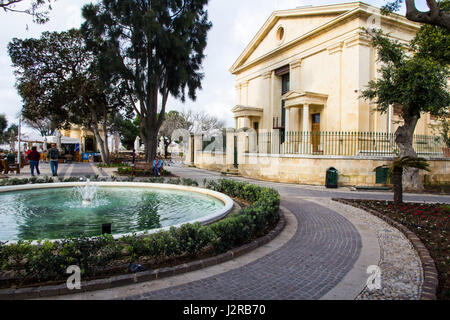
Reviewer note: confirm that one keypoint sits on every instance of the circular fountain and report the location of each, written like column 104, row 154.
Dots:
column 68, row 210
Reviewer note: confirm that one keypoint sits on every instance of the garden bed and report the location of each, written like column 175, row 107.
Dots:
column 430, row 222
column 27, row 265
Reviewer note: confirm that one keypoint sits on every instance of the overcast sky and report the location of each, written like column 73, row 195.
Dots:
column 235, row 23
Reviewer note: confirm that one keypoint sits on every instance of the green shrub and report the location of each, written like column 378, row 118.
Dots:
column 192, row 238
column 124, row 170
column 176, row 181
column 189, row 182
column 156, row 180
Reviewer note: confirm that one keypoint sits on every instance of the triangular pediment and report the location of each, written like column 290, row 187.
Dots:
column 296, row 24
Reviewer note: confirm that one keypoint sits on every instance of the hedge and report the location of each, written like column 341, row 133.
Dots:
column 48, row 261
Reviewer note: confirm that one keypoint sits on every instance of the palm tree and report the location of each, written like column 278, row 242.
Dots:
column 396, row 173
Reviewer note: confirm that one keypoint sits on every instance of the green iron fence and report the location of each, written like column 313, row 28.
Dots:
column 344, row 143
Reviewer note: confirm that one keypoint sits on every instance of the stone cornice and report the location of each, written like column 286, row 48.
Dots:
column 347, row 10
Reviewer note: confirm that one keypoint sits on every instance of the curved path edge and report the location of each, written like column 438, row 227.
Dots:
column 356, row 279
column 430, row 284
column 142, row 277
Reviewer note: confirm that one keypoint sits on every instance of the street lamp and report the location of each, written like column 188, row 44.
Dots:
column 18, row 137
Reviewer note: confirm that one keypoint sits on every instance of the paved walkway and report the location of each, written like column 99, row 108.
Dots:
column 65, row 170
column 323, row 253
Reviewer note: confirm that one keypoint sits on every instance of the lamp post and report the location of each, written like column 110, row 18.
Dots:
column 18, row 136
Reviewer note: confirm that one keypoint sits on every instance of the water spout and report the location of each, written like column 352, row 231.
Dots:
column 87, row 193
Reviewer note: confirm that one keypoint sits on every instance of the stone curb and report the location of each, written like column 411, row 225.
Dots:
column 430, row 274
column 128, row 279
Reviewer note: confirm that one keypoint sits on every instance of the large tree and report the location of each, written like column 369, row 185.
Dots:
column 38, row 9
column 433, row 42
column 127, row 128
column 156, row 48
column 200, row 122
column 412, row 81
column 11, row 135
column 44, row 126
column 58, row 80
column 437, row 15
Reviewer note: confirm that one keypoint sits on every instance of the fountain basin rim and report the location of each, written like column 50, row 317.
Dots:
column 229, row 203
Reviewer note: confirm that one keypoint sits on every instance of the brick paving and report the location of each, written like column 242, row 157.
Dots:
column 321, row 253
column 65, row 170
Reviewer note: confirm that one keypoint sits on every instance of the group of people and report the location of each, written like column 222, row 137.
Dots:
column 34, row 157
column 53, row 155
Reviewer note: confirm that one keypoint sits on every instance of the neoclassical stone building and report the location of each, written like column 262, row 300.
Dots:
column 298, row 84
column 305, row 69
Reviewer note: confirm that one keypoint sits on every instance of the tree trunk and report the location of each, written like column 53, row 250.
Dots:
column 151, row 146
column 149, row 134
column 101, row 142
column 107, row 160
column 404, row 140
column 398, row 185
column 94, row 128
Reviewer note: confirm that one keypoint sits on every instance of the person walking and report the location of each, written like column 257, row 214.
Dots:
column 34, row 156
column 53, row 156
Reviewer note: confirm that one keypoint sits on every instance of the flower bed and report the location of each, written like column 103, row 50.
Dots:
column 24, row 264
column 431, row 223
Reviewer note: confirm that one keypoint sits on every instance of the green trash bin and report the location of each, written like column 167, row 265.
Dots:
column 381, row 175
column 332, row 178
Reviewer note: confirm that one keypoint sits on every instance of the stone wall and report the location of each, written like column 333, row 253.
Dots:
column 312, row 170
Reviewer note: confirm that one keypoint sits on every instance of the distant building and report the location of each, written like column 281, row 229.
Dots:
column 88, row 142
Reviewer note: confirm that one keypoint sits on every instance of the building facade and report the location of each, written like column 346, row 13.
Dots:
column 298, row 109
column 306, row 67
column 88, row 142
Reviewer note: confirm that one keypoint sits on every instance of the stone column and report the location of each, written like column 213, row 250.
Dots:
column 266, row 120
column 305, row 126
column 295, row 75
column 198, row 146
column 238, row 93
column 275, row 142
column 275, row 103
column 246, row 123
column 188, row 157
column 230, row 148
column 288, row 119
column 287, row 128
column 245, row 93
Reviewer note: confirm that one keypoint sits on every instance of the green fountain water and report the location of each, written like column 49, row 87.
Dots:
column 62, row 213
